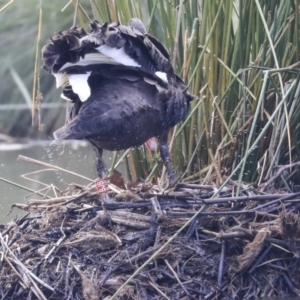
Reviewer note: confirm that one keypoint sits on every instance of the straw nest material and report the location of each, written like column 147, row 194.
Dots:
column 146, row 244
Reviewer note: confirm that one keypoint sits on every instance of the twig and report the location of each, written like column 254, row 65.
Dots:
column 31, row 283
column 195, row 186
column 177, row 33
column 23, row 266
column 278, row 267
column 66, row 5
column 192, row 227
column 177, row 278
column 288, row 197
column 40, row 163
column 36, row 193
column 221, row 264
column 63, row 237
column 141, row 255
column 93, row 9
column 278, row 173
column 22, row 283
column 7, row 5
column 260, row 258
column 158, row 290
column 157, row 252
column 156, row 206
column 211, row 213
column 175, row 195
column 49, row 201
column 36, row 64
column 75, row 13
column 22, row 187
column 36, row 181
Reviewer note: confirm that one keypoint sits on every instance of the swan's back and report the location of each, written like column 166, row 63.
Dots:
column 120, row 113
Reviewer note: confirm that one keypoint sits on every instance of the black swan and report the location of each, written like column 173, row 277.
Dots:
column 123, row 87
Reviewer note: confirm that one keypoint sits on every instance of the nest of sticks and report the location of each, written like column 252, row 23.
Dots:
column 145, row 244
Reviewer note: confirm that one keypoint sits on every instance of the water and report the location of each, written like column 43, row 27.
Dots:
column 77, row 157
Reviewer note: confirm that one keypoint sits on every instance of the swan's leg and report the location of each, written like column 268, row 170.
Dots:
column 166, row 158
column 101, row 168
column 100, row 165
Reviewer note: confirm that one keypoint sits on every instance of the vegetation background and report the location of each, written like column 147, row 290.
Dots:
column 240, row 58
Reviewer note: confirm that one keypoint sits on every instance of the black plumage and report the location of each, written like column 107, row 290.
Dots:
column 127, row 105
column 143, row 48
column 63, row 48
